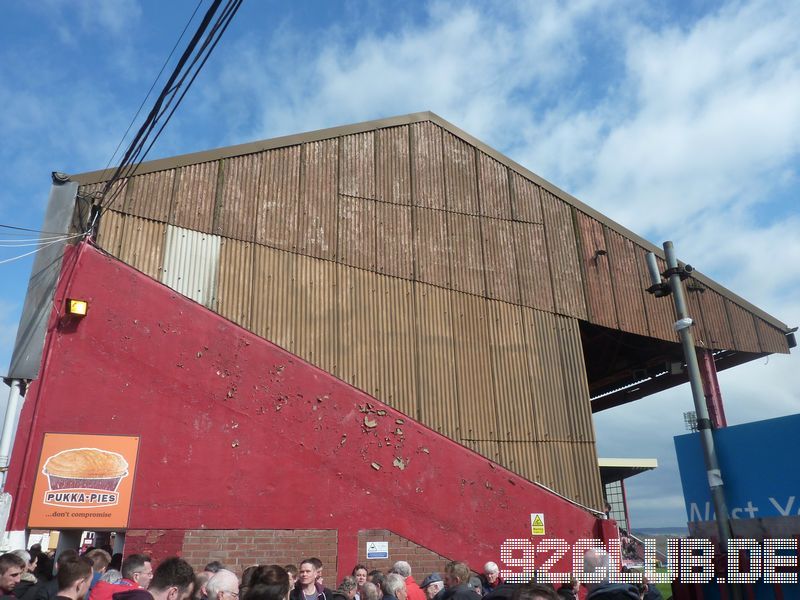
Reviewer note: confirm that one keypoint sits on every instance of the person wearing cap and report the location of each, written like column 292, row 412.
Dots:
column 433, row 586
column 476, row 586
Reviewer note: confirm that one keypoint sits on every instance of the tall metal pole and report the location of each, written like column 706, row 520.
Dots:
column 12, row 408
column 683, row 325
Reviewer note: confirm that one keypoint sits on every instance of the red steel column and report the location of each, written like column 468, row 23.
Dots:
column 708, row 374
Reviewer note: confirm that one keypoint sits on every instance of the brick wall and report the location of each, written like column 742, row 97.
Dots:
column 422, row 561
column 238, row 549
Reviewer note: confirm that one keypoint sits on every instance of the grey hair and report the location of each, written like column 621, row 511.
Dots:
column 23, row 554
column 393, row 583
column 401, row 567
column 369, row 591
column 491, row 567
column 348, row 584
column 222, row 581
column 111, row 576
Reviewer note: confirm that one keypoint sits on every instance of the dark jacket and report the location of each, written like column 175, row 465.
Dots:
column 503, row 591
column 26, row 590
column 614, row 591
column 462, row 591
column 47, row 590
column 133, row 594
column 323, row 593
column 488, row 588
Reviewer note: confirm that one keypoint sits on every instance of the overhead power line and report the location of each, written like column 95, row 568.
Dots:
column 180, row 81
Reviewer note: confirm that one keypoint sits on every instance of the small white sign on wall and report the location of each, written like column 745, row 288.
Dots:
column 376, row 550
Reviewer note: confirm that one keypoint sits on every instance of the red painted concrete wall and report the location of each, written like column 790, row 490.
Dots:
column 236, row 433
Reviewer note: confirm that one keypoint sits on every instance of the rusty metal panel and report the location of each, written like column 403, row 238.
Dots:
column 273, row 314
column 628, row 293
column 545, row 370
column 473, row 360
column 315, row 312
column 526, row 199
column 743, row 328
column 393, row 165
column 500, row 263
column 431, row 246
column 195, row 197
column 241, row 188
column 356, row 232
column 460, row 175
column 509, row 359
column 142, row 245
column 493, row 186
column 589, row 489
column 523, row 458
column 394, row 241
column 191, row 264
column 530, row 245
column 562, row 249
column 466, row 258
column 715, row 319
column 358, row 165
column 395, row 361
column 278, row 199
column 438, row 398
column 235, row 287
column 427, row 172
column 558, row 465
column 597, row 272
column 660, row 312
column 769, row 338
column 357, row 307
column 487, row 448
column 149, row 196
column 576, row 387
column 109, row 234
column 317, row 218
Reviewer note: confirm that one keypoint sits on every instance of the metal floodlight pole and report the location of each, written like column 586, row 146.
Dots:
column 683, row 324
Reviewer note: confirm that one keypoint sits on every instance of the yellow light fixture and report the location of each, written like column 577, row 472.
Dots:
column 76, row 307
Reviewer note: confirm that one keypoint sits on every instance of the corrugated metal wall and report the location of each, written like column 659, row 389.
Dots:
column 416, row 267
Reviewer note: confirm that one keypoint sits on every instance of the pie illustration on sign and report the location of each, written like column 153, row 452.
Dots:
column 85, row 469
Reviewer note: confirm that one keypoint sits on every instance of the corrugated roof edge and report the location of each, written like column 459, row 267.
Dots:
column 173, row 162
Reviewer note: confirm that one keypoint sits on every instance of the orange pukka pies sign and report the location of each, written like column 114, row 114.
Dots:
column 84, row 481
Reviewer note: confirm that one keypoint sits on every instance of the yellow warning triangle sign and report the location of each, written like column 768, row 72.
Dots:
column 537, row 522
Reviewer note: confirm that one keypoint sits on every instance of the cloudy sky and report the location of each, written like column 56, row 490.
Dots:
column 679, row 120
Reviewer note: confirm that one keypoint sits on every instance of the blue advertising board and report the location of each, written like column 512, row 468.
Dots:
column 759, row 464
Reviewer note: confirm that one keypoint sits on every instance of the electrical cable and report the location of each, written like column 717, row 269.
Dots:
column 29, row 243
column 152, row 87
column 137, row 152
column 13, row 258
column 29, row 230
column 131, row 157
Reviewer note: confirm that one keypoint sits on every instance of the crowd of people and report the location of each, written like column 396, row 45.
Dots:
column 97, row 575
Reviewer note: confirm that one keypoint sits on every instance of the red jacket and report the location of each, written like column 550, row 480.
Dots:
column 103, row 590
column 414, row 591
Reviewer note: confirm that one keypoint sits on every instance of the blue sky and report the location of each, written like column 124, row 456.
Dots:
column 680, row 120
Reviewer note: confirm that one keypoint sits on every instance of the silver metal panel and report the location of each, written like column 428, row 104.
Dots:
column 27, row 355
column 191, row 262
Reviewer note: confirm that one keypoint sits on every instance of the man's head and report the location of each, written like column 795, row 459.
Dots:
column 360, row 573
column 534, row 591
column 456, row 573
column 475, row 585
column 492, row 572
column 369, row 591
column 223, row 585
column 291, row 571
column 139, row 569
column 307, row 573
column 213, row 567
column 348, row 587
column 432, row 585
column 100, row 560
column 402, row 568
column 74, row 578
column 395, row 585
column 174, row 580
column 317, row 565
column 11, row 569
